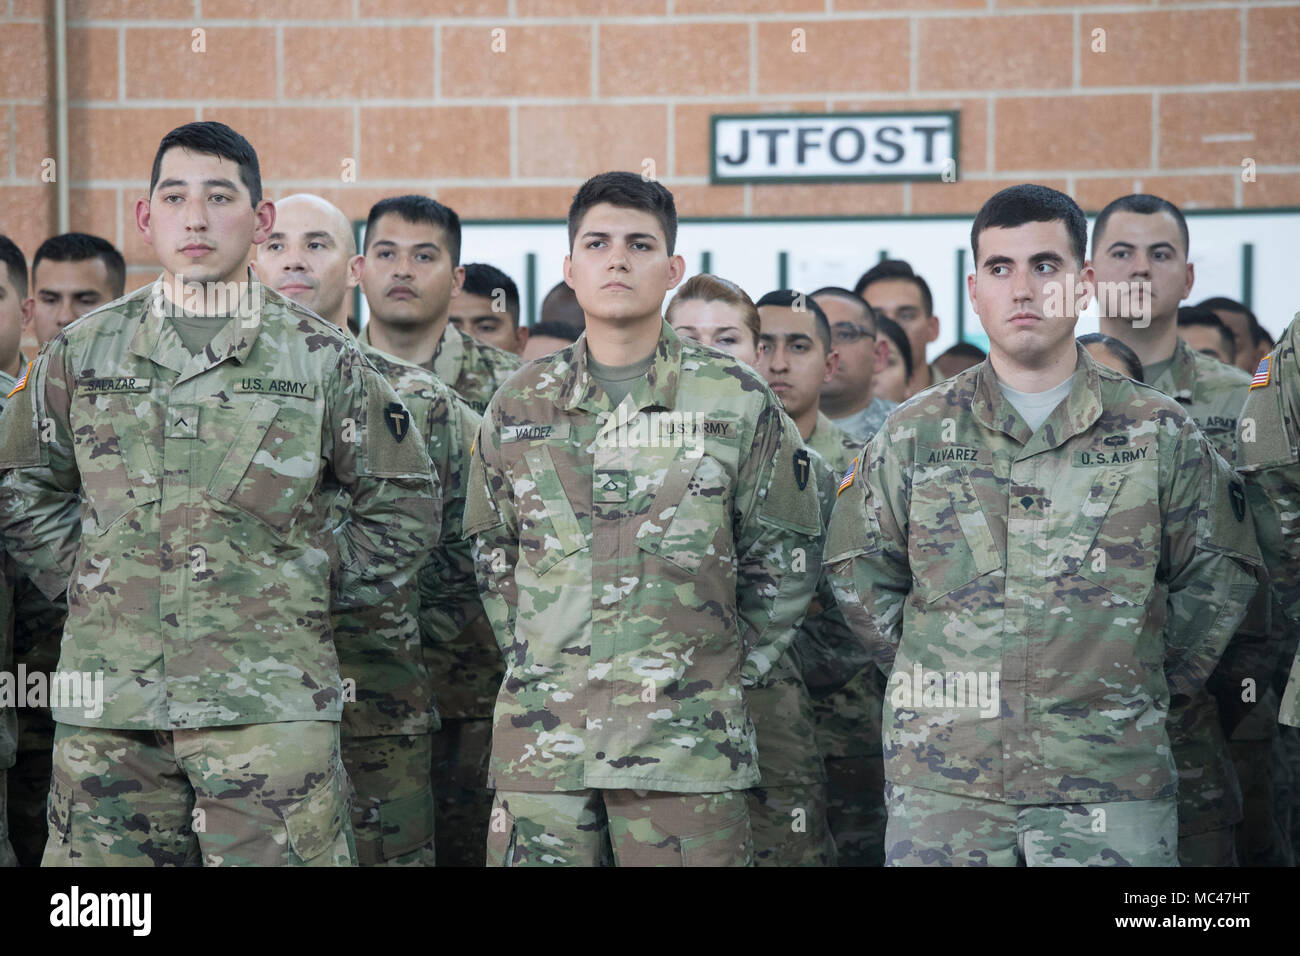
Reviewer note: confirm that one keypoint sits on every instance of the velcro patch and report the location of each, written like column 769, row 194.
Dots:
column 534, row 432
column 119, row 383
column 277, row 386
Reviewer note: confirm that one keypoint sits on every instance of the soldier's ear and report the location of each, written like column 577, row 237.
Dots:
column 882, row 355
column 832, row 365
column 676, row 269
column 265, row 213
column 29, row 314
column 355, row 266
column 142, row 219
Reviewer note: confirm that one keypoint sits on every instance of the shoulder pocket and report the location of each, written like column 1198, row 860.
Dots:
column 949, row 543
column 550, row 533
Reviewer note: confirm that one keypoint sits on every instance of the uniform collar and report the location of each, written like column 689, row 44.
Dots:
column 1074, row 416
column 1179, row 378
column 449, row 356
column 657, row 389
column 155, row 340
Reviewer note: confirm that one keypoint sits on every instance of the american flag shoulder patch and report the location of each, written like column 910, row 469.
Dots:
column 848, row 477
column 1262, row 373
column 22, row 382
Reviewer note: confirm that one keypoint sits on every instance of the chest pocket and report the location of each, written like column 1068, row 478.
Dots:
column 949, row 543
column 119, row 470
column 693, row 509
column 548, row 529
column 1115, row 539
column 272, row 466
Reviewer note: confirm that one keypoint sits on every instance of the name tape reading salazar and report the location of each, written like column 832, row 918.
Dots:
column 849, row 146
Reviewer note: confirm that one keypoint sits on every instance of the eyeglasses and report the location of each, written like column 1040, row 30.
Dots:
column 846, row 334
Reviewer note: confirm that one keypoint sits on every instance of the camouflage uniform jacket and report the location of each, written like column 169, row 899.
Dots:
column 636, row 567
column 1093, row 568
column 380, row 646
column 183, row 501
column 848, row 718
column 1209, row 794
column 467, row 670
column 1268, row 455
column 8, row 711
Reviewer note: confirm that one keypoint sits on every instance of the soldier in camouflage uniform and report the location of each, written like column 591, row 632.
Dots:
column 848, row 720
column 1043, row 552
column 412, row 274
column 72, row 274
column 1140, row 244
column 389, row 710
column 635, row 519
column 846, row 399
column 170, row 461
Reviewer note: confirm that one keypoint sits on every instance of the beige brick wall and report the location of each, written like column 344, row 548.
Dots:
column 411, row 92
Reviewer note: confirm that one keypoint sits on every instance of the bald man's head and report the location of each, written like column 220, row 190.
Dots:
column 311, row 256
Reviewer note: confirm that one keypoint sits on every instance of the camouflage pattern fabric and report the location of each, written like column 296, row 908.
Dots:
column 256, row 795
column 392, row 803
column 862, row 425
column 1261, row 840
column 636, row 564
column 1209, row 794
column 460, row 768
column 619, row 828
column 183, row 503
column 1037, row 599
column 855, row 802
column 929, row 828
column 789, row 824
column 381, row 646
column 1268, row 456
column 8, row 715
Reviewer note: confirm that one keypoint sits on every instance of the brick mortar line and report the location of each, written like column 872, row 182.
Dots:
column 666, row 19
column 680, row 100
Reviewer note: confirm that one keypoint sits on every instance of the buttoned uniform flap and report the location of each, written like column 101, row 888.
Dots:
column 390, row 443
column 790, row 500
column 548, row 528
column 689, row 511
column 23, row 435
column 481, row 509
column 108, row 421
column 1115, row 539
column 949, row 542
column 406, row 824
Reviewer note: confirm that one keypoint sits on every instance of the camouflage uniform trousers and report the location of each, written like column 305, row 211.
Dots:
column 619, row 828
column 29, row 787
column 461, row 750
column 1261, row 839
column 789, row 825
column 255, row 795
column 1286, row 795
column 855, row 809
column 928, row 828
column 392, row 799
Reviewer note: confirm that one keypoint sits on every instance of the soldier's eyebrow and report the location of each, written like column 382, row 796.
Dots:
column 414, row 245
column 787, row 336
column 1053, row 257
column 992, row 261
column 630, row 237
column 209, row 183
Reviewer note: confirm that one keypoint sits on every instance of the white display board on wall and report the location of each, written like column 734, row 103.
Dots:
column 1231, row 251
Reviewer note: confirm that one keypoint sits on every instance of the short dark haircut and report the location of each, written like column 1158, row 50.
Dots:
column 801, row 302
column 1264, row 336
column 555, row 330
column 560, row 306
column 840, row 292
column 483, row 279
column 965, row 350
column 895, row 269
column 1029, row 202
column 1146, row 205
column 896, row 335
column 1194, row 315
column 629, row 191
column 79, row 247
column 1122, row 351
column 213, row 139
column 419, row 210
column 16, row 264
column 1221, row 303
